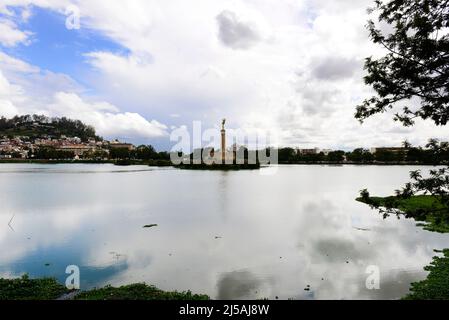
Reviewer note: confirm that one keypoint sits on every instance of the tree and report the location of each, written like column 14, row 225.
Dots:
column 416, row 65
column 119, row 153
column 336, row 156
column 414, row 72
column 360, row 155
column 163, row 155
column 406, row 144
column 52, row 153
column 286, row 155
column 144, row 152
column 40, row 125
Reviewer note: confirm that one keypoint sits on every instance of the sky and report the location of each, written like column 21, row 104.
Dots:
column 140, row 70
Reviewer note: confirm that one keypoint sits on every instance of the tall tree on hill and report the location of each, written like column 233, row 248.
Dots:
column 412, row 78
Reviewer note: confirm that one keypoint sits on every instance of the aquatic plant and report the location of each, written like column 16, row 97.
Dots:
column 25, row 288
column 428, row 209
column 436, row 285
column 137, row 291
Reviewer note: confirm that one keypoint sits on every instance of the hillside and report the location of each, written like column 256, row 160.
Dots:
column 37, row 126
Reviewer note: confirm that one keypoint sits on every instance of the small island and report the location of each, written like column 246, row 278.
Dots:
column 224, row 167
column 234, row 158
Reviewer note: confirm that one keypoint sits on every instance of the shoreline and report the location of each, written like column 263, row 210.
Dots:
column 431, row 214
column 47, row 288
column 157, row 163
column 167, row 163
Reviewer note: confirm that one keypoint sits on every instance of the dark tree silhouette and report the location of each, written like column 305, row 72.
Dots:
column 40, row 125
column 414, row 72
column 416, row 65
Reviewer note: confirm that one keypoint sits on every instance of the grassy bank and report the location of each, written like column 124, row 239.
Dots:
column 432, row 214
column 25, row 288
column 137, row 291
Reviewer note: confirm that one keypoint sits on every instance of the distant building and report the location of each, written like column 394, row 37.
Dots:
column 121, row 145
column 223, row 141
column 77, row 149
column 307, row 151
column 389, row 149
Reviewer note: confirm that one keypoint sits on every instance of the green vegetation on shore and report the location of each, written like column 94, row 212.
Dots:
column 429, row 210
column 434, row 216
column 402, row 156
column 137, row 291
column 39, row 125
column 436, row 285
column 25, row 288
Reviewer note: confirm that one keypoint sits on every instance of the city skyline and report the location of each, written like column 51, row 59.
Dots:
column 19, row 140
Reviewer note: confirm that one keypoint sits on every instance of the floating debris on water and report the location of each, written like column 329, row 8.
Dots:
column 150, row 225
column 10, row 222
column 362, row 229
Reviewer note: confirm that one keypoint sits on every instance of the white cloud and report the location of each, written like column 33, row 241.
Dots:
column 10, row 36
column 7, row 109
column 10, row 63
column 8, row 95
column 106, row 118
column 300, row 75
column 334, row 68
column 235, row 33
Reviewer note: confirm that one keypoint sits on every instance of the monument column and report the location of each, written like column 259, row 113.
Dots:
column 223, row 142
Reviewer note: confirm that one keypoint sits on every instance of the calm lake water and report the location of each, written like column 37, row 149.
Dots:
column 232, row 235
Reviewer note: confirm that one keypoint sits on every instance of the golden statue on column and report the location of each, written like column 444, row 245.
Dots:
column 223, row 141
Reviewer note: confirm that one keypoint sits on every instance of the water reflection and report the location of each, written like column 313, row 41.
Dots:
column 232, row 235
column 238, row 285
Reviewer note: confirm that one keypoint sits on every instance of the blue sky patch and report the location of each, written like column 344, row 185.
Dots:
column 58, row 49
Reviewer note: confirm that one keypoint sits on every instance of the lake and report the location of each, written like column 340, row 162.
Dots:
column 231, row 235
